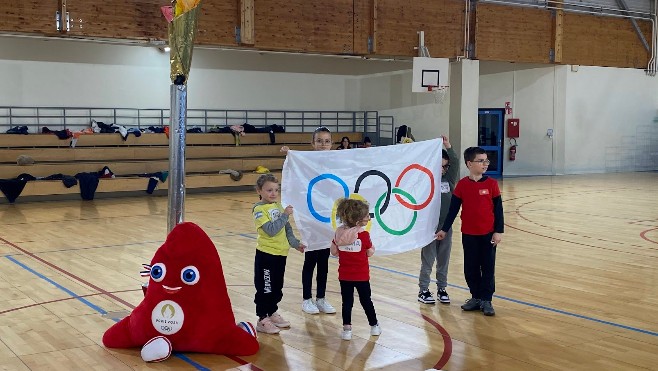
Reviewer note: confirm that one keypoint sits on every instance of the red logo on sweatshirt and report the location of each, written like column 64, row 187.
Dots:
column 484, row 192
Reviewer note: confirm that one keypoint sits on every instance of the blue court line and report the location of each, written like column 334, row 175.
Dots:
column 533, row 305
column 538, row 306
column 73, row 294
column 191, row 362
column 93, row 306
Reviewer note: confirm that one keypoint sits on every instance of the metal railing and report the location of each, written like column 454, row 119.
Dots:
column 77, row 118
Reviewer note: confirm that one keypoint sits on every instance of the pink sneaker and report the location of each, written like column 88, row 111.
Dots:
column 278, row 321
column 265, row 325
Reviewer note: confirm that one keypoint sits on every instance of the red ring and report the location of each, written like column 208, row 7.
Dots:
column 429, row 198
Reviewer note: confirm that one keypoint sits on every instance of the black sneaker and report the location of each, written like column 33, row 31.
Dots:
column 471, row 304
column 443, row 296
column 426, row 297
column 487, row 308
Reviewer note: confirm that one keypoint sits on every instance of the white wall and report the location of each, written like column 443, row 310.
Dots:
column 57, row 73
column 530, row 89
column 391, row 95
column 609, row 112
column 593, row 112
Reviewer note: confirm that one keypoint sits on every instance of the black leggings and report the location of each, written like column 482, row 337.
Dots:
column 311, row 259
column 347, row 293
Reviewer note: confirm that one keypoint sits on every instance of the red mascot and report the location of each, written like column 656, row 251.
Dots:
column 186, row 307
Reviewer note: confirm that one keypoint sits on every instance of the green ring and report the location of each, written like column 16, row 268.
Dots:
column 379, row 217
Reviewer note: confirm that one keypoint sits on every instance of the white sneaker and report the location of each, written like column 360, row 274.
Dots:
column 375, row 330
column 308, row 306
column 267, row 326
column 324, row 306
column 346, row 334
column 278, row 321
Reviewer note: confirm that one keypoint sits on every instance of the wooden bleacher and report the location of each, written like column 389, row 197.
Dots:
column 206, row 155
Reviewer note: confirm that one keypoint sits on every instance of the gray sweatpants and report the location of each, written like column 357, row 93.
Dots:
column 439, row 251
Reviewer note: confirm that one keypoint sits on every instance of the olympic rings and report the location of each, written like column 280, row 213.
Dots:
column 309, row 201
column 381, row 222
column 429, row 198
column 382, row 203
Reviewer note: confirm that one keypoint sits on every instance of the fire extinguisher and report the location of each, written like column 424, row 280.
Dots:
column 512, row 149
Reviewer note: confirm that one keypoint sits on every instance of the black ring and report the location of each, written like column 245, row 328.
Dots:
column 388, row 184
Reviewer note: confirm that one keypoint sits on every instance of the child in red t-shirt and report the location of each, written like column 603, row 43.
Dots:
column 482, row 228
column 353, row 247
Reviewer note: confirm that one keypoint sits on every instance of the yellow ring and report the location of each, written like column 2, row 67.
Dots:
column 353, row 196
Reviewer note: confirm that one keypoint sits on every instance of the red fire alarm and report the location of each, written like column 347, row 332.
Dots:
column 513, row 126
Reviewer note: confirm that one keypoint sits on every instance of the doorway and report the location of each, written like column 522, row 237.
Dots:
column 490, row 137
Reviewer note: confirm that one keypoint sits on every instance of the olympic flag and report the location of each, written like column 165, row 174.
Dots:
column 400, row 182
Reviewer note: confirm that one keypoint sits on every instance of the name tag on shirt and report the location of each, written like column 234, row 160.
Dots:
column 355, row 247
column 484, row 192
column 445, row 187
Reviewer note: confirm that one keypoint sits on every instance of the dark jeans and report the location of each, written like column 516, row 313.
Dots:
column 268, row 279
column 311, row 259
column 347, row 293
column 479, row 265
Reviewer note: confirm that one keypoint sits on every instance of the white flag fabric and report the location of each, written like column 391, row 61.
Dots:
column 400, row 182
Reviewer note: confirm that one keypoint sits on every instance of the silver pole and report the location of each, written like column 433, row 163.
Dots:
column 177, row 122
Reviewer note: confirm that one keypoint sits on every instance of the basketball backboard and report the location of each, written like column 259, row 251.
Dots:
column 429, row 72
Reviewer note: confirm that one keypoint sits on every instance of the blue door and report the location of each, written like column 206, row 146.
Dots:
column 490, row 137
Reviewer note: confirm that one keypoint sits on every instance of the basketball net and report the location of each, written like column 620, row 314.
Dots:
column 439, row 92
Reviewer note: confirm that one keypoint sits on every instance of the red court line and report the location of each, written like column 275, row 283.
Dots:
column 100, row 292
column 518, row 212
column 58, row 300
column 644, row 235
column 447, row 340
column 242, row 362
column 79, row 279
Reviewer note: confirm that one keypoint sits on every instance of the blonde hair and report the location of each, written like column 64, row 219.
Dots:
column 351, row 211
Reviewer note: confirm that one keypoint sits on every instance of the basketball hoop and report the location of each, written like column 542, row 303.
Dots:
column 439, row 92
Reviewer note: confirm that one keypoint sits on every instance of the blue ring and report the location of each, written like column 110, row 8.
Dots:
column 309, row 201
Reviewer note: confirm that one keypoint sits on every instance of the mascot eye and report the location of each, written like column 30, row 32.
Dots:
column 190, row 275
column 158, row 272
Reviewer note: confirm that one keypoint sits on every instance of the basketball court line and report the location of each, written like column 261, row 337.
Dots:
column 57, row 285
column 644, row 235
column 517, row 301
column 441, row 362
column 93, row 306
column 98, row 309
column 529, row 304
column 533, row 305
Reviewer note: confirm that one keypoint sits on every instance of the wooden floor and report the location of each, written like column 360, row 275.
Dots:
column 577, row 286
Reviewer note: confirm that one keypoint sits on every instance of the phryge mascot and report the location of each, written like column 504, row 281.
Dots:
column 186, row 307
